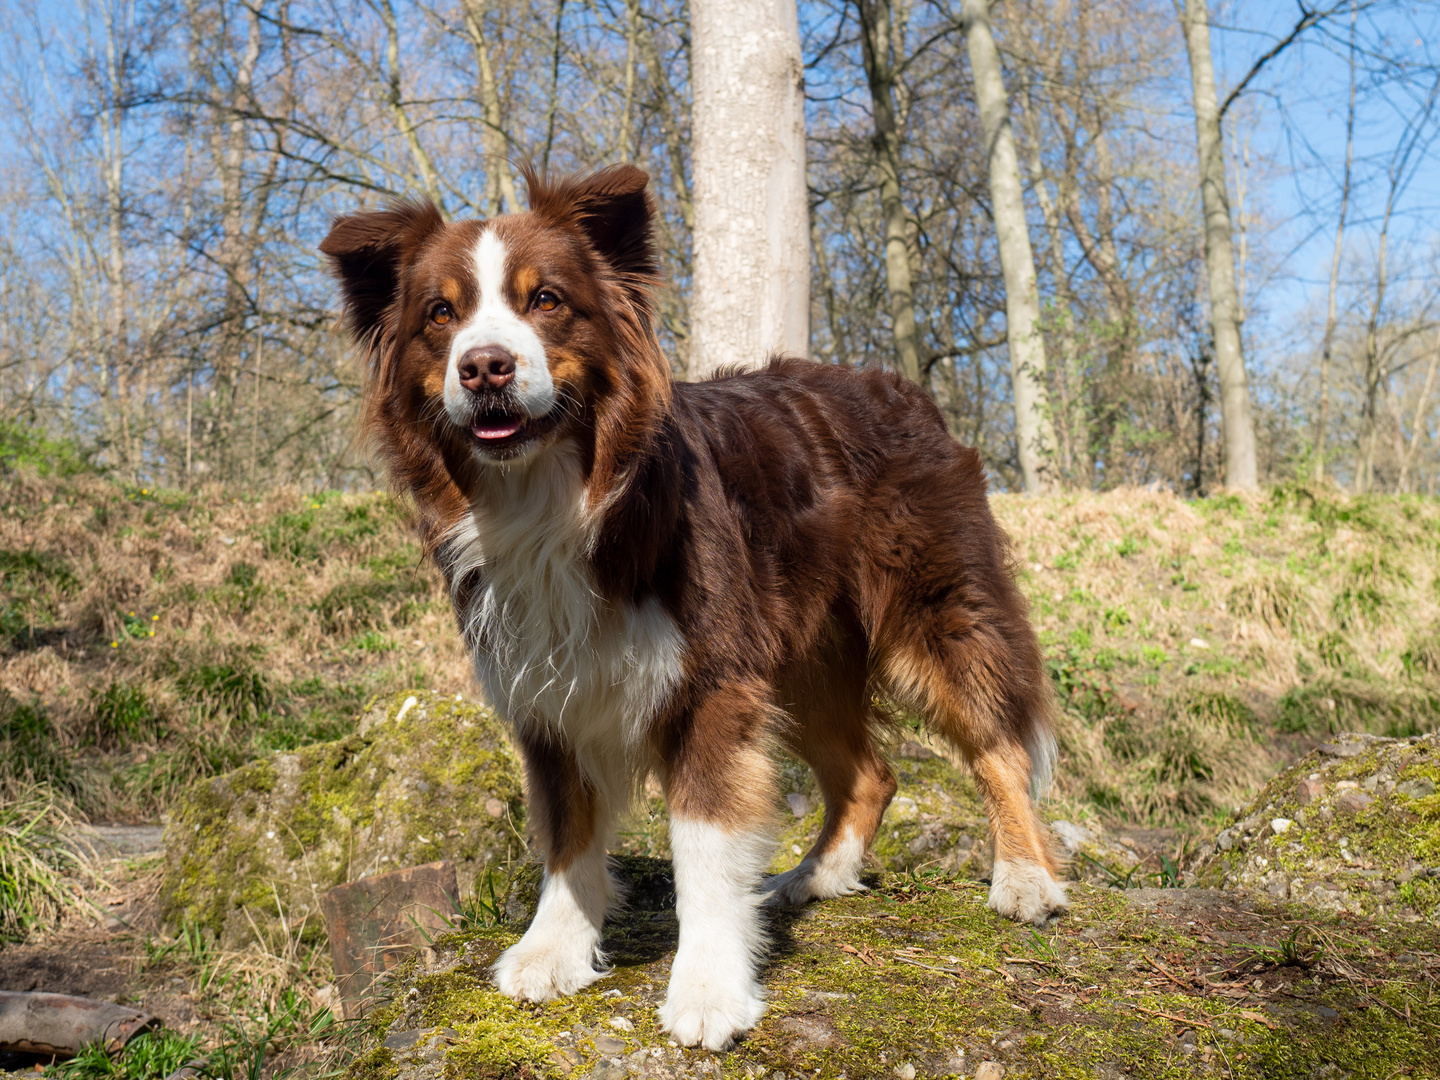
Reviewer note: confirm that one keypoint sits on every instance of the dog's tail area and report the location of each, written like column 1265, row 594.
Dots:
column 1041, row 746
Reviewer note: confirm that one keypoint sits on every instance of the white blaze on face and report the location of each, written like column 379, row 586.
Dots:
column 495, row 322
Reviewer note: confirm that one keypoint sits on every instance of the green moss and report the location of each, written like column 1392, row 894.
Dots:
column 918, row 970
column 418, row 783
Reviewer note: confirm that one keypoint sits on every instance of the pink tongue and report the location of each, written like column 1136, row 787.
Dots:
column 497, row 431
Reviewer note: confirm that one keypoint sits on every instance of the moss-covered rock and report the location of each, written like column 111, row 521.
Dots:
column 424, row 777
column 918, row 979
column 1354, row 826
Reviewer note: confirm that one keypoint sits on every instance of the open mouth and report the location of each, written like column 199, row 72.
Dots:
column 493, row 428
column 501, row 429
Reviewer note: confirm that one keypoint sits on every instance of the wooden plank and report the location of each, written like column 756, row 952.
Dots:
column 376, row 922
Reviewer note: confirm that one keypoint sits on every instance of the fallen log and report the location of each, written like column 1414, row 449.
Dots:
column 59, row 1024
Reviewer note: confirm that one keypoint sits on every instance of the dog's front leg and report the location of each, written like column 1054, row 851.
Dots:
column 560, row 953
column 721, row 838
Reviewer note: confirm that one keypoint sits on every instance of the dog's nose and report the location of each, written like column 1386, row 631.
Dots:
column 490, row 367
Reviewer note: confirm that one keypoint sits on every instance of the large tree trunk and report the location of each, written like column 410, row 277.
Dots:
column 1034, row 433
column 878, row 50
column 751, row 286
column 1238, row 426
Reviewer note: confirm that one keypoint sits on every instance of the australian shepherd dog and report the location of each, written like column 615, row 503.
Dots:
column 677, row 578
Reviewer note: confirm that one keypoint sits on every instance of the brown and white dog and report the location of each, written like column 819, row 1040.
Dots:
column 674, row 578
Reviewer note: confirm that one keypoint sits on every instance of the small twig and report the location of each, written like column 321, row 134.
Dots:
column 1168, row 1016
column 944, row 971
column 1163, row 970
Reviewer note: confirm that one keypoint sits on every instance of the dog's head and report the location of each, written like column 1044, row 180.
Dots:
column 489, row 342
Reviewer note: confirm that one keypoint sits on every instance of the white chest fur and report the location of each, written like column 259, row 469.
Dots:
column 548, row 649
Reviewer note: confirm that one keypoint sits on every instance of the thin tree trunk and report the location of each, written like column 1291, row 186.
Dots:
column 117, row 330
column 395, row 103
column 878, row 51
column 499, row 181
column 625, row 142
column 1322, row 419
column 1235, row 413
column 1075, row 463
column 751, row 284
column 553, row 106
column 1034, row 431
column 1416, row 425
column 669, row 125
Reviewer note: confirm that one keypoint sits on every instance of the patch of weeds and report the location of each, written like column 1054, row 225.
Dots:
column 1275, row 600
column 1334, row 650
column 373, row 641
column 1358, row 705
column 1116, row 617
column 236, row 690
column 369, row 604
column 1421, row 658
column 33, row 583
column 1129, row 545
column 325, row 522
column 152, row 1055
column 1222, row 709
column 30, row 745
column 123, row 715
column 1222, row 506
column 1082, row 687
column 24, row 448
column 1365, row 586
column 1154, row 655
column 34, row 863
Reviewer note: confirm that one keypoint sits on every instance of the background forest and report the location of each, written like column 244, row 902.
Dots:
column 171, row 167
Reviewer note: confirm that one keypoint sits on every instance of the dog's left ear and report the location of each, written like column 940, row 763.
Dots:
column 368, row 253
column 612, row 207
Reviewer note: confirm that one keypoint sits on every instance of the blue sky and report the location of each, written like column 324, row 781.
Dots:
column 1295, row 119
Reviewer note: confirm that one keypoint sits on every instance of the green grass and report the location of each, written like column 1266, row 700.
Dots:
column 36, row 864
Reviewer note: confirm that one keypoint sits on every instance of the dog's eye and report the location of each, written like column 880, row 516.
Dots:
column 545, row 300
column 441, row 314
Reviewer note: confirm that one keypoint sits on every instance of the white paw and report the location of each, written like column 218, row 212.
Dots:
column 711, row 1010
column 811, row 880
column 543, row 971
column 1025, row 892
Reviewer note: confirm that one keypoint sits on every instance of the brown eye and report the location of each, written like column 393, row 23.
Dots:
column 545, row 300
column 441, row 314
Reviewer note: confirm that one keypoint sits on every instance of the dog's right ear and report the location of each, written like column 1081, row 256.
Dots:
column 368, row 253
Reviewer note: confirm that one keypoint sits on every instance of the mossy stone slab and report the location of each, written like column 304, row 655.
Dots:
column 917, row 978
column 1354, row 826
column 425, row 777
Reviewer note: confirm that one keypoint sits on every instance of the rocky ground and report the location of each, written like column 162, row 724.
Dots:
column 1312, row 952
column 1306, row 947
column 917, row 978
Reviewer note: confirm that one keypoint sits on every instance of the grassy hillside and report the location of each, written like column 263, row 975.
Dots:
column 149, row 637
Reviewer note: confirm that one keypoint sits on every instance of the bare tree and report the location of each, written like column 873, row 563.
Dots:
column 1235, row 410
column 751, row 287
column 880, row 49
column 1034, row 431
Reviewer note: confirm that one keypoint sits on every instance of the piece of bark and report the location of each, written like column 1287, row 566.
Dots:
column 60, row 1024
column 376, row 922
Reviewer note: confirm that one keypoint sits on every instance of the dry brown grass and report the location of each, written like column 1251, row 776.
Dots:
column 150, row 637
column 1199, row 645
column 274, row 618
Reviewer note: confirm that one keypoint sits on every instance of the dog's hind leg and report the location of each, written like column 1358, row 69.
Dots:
column 988, row 698
column 560, row 952
column 719, row 781
column 831, row 734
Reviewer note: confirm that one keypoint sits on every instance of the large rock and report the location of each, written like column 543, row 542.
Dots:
column 424, row 777
column 1354, row 827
